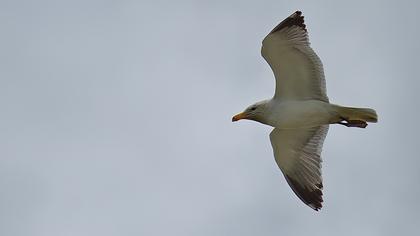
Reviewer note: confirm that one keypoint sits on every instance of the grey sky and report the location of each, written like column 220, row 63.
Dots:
column 115, row 119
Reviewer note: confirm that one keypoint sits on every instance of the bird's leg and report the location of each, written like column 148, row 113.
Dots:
column 353, row 123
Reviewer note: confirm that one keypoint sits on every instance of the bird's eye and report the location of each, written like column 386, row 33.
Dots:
column 253, row 108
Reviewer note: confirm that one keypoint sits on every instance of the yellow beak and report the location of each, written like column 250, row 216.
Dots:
column 239, row 116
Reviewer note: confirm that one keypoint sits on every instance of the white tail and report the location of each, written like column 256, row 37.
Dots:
column 362, row 114
column 356, row 117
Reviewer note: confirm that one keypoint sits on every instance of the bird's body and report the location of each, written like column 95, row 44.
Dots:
column 297, row 114
column 300, row 111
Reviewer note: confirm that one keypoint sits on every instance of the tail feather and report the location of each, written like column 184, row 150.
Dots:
column 357, row 114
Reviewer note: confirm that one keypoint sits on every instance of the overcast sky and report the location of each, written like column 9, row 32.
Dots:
column 116, row 119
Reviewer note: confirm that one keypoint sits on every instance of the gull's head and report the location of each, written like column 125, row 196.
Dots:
column 254, row 112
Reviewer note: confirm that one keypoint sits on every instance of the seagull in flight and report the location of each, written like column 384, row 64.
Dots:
column 300, row 111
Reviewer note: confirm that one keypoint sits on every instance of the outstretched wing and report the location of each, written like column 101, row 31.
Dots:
column 298, row 70
column 298, row 155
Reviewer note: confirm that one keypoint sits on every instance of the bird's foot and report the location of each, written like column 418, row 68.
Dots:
column 353, row 123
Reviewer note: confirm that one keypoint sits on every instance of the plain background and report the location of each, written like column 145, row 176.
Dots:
column 116, row 119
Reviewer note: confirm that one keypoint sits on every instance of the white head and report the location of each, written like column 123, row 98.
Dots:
column 256, row 112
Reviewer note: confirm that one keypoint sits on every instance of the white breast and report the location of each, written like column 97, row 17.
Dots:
column 299, row 114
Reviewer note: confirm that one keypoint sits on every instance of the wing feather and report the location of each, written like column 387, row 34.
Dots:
column 298, row 70
column 298, row 155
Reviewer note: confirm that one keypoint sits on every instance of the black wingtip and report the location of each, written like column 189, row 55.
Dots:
column 311, row 197
column 296, row 19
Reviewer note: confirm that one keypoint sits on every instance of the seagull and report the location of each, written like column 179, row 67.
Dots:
column 300, row 111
